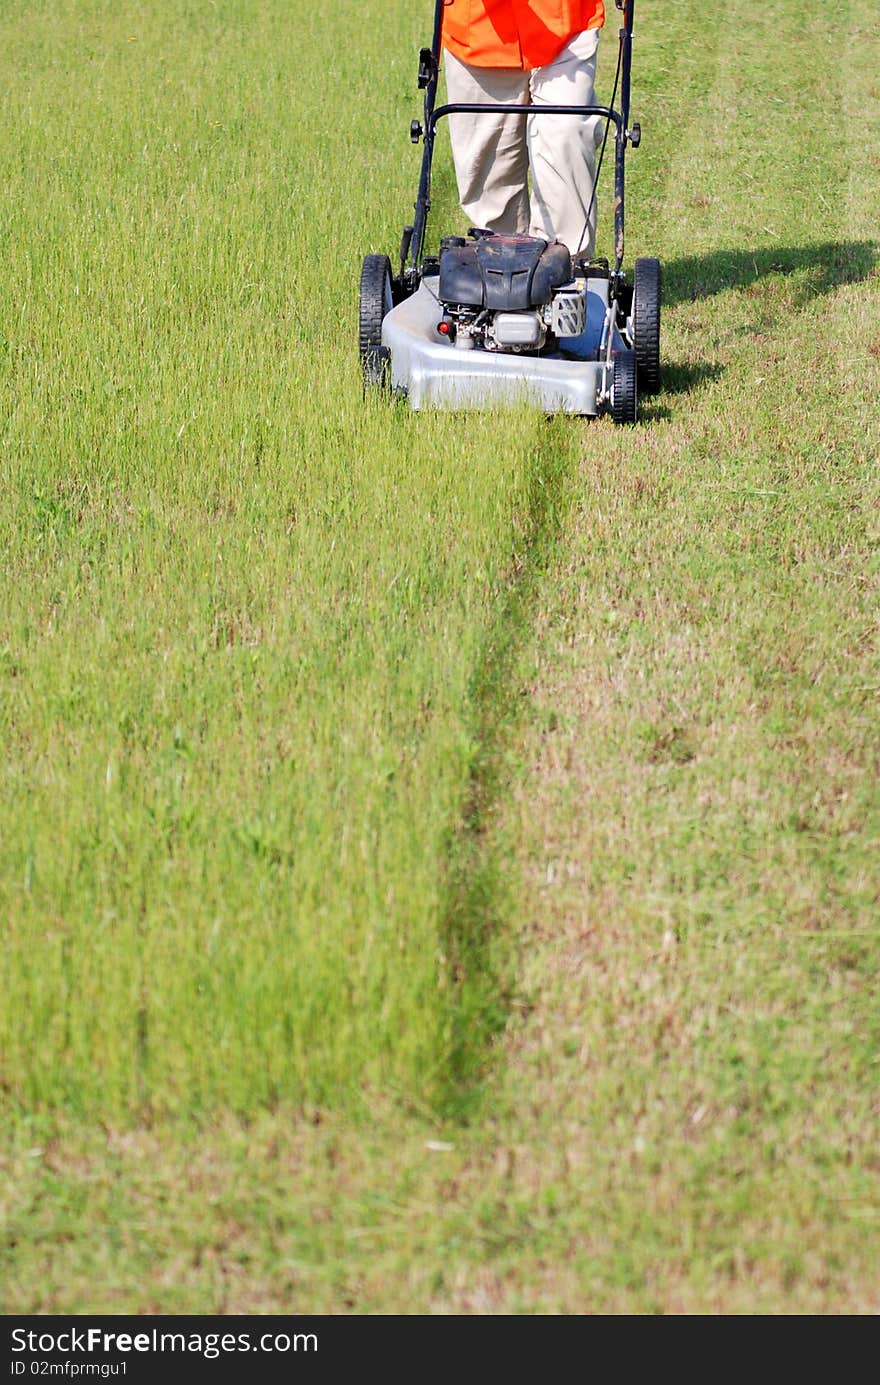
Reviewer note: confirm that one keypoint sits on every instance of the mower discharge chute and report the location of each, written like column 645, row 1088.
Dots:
column 500, row 318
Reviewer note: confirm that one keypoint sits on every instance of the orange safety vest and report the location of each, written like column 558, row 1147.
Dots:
column 516, row 33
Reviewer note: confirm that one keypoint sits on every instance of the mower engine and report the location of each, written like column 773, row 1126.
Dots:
column 508, row 293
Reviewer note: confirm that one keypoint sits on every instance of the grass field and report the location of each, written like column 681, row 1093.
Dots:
column 439, row 856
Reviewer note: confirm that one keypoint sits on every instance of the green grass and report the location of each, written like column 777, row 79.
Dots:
column 371, row 779
column 245, row 612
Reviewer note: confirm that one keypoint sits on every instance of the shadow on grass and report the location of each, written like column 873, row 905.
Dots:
column 819, row 269
column 812, row 270
column 680, row 377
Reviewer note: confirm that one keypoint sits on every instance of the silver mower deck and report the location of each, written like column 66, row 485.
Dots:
column 433, row 373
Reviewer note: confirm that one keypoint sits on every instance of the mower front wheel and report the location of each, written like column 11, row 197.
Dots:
column 376, row 299
column 624, row 387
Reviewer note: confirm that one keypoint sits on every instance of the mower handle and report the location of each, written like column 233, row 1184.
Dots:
column 484, row 108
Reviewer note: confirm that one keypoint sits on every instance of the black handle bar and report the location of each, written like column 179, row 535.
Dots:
column 482, row 108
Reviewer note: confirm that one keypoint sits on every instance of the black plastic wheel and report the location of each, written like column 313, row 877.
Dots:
column 646, row 323
column 376, row 300
column 624, row 388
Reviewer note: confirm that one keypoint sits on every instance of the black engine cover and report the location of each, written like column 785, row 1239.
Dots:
column 503, row 273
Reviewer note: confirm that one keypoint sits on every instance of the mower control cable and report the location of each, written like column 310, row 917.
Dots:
column 601, row 157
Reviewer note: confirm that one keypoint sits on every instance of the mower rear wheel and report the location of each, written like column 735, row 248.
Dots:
column 375, row 301
column 624, row 387
column 646, row 323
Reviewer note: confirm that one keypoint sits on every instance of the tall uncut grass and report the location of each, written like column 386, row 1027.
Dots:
column 245, row 616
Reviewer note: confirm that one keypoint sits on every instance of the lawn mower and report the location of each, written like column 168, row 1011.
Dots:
column 500, row 318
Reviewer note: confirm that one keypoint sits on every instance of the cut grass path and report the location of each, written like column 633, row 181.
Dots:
column 672, row 756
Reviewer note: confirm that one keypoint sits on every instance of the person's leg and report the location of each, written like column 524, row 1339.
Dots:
column 562, row 148
column 489, row 151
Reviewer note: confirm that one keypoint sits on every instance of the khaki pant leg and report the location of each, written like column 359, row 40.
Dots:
column 489, row 151
column 562, row 148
